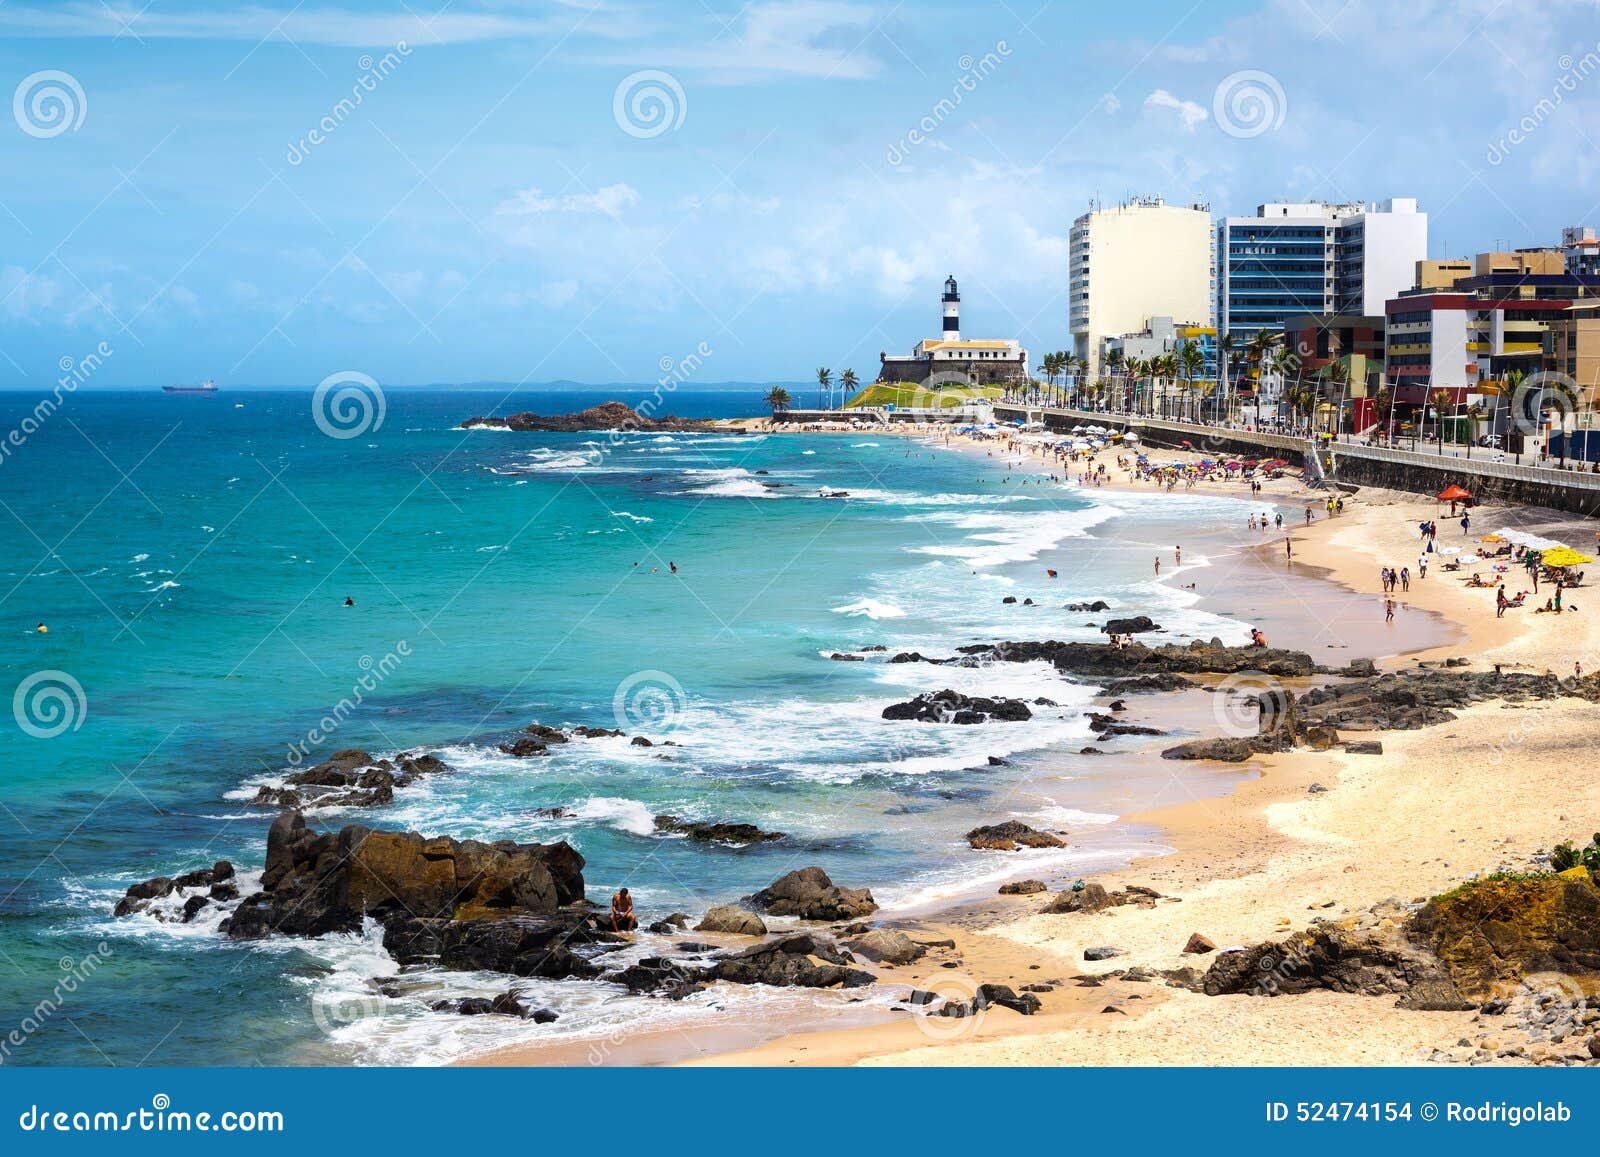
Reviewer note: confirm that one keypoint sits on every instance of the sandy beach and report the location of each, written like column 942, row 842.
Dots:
column 1267, row 853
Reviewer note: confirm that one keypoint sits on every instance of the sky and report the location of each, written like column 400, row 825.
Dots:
column 496, row 190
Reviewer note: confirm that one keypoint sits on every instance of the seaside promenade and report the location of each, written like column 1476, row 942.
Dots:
column 1417, row 471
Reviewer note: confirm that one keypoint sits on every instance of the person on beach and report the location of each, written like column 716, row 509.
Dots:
column 1288, row 548
column 1405, row 578
column 1388, row 610
column 622, row 917
column 1500, row 601
column 1422, row 566
column 1279, row 522
column 1177, row 553
column 1558, row 597
column 1308, row 514
column 1466, row 523
column 1257, row 639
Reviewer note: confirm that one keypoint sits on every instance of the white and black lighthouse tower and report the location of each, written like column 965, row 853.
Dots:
column 952, row 310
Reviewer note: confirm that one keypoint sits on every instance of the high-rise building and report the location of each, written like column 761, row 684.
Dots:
column 1134, row 261
column 1315, row 258
column 1581, row 249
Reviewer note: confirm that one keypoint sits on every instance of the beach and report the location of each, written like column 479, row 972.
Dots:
column 1487, row 792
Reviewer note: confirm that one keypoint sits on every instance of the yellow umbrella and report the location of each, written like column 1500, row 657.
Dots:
column 1491, row 538
column 1564, row 556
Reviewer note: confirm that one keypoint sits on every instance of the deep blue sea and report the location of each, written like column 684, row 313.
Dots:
column 191, row 557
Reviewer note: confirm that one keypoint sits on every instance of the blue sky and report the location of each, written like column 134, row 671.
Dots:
column 496, row 207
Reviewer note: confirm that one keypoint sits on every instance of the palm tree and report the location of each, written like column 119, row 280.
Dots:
column 824, row 383
column 849, row 381
column 1192, row 362
column 778, row 399
column 1514, row 381
column 1116, row 362
column 1440, row 399
column 1337, row 376
column 1225, row 346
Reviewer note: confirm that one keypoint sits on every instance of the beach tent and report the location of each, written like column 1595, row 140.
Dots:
column 1455, row 494
column 1530, row 541
column 1564, row 556
column 1130, row 437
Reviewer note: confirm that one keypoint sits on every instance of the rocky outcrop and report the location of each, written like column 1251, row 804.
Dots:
column 1011, row 835
column 987, row 996
column 1094, row 898
column 809, row 894
column 205, row 884
column 1138, row 624
column 350, row 778
column 1196, row 658
column 1023, row 888
column 557, row 946
column 1493, row 932
column 606, row 416
column 887, row 946
column 1096, row 606
column 319, row 882
column 731, row 918
column 1366, row 954
column 949, row 706
column 721, row 833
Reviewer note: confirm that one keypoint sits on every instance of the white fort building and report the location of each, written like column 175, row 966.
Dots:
column 953, row 359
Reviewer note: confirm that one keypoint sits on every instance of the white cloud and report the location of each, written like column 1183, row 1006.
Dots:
column 609, row 200
column 1189, row 113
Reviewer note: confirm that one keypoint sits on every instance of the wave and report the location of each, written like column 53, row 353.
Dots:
column 871, row 609
column 633, row 517
column 626, row 815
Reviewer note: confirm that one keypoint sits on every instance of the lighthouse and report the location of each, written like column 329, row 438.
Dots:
column 952, row 310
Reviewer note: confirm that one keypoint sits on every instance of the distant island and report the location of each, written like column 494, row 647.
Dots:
column 606, row 416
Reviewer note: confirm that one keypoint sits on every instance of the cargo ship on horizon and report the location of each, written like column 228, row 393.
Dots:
column 206, row 387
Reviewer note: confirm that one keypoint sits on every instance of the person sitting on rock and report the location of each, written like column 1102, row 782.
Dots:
column 622, row 917
column 1257, row 639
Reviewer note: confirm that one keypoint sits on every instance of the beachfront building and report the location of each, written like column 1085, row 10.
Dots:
column 1514, row 316
column 1310, row 257
column 1132, row 262
column 1339, row 359
column 1580, row 249
column 951, row 359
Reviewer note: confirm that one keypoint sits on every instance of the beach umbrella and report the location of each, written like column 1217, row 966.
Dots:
column 1564, row 556
column 1491, row 538
column 1455, row 494
column 1130, row 436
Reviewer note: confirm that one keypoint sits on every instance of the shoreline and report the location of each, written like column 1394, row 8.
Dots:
column 1220, row 843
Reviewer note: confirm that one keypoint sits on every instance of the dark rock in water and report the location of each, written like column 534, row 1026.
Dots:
column 542, row 946
column 606, row 416
column 949, row 706
column 1101, row 952
column 1360, row 668
column 1146, row 684
column 1116, row 705
column 1023, row 888
column 319, row 882
column 875, row 647
column 558, row 812
column 809, row 894
column 1027, row 602
column 506, row 1004
column 524, row 746
column 841, row 657
column 224, row 891
column 586, row 732
column 790, row 962
column 1106, row 726
column 1196, row 658
column 722, row 833
column 351, row 778
column 1011, row 835
column 1090, row 751
column 1132, row 626
column 660, row 976
column 1094, row 607
column 192, row 906
column 1009, row 599
column 545, row 734
column 996, row 761
column 640, row 741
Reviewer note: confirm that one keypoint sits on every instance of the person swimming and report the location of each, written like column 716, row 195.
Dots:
column 348, row 601
column 42, row 629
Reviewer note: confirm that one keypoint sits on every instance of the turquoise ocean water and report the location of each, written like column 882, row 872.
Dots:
column 192, row 557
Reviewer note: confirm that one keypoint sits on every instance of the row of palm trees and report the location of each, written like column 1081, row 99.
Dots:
column 847, row 384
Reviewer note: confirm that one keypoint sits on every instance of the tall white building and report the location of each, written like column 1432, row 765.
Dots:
column 1311, row 257
column 1138, row 260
